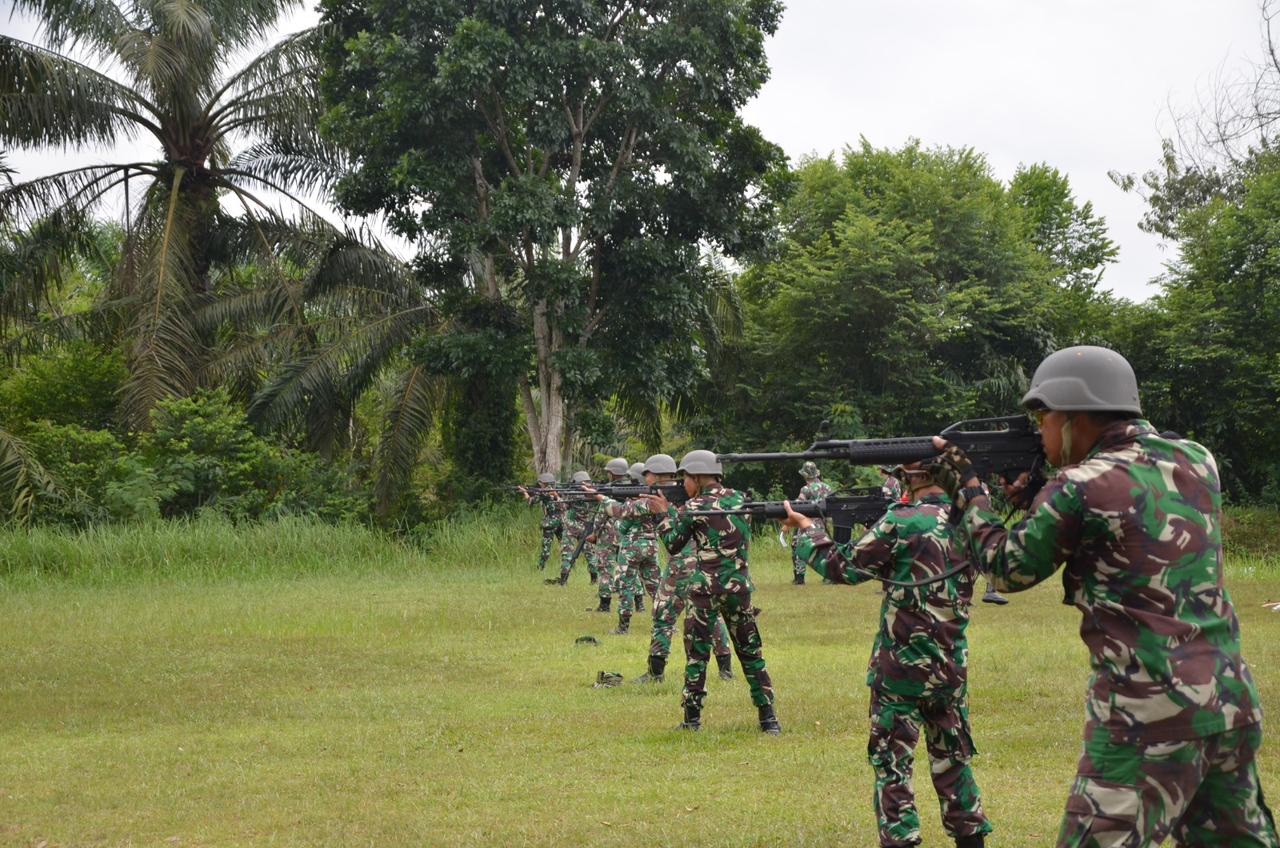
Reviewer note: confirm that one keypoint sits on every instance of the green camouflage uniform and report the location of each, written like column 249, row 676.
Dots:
column 578, row 518
column 552, row 522
column 603, row 552
column 637, row 549
column 671, row 592
column 813, row 491
column 892, row 488
column 1172, row 715
column 918, row 671
column 720, row 587
column 671, row 599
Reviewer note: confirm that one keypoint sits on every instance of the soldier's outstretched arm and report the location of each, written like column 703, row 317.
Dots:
column 842, row 563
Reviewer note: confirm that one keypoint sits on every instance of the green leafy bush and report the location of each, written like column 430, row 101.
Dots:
column 74, row 384
column 205, row 456
column 98, row 479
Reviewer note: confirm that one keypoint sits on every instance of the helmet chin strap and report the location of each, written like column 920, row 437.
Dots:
column 1066, row 441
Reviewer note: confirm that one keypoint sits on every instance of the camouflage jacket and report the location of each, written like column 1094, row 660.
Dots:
column 1138, row 526
column 892, row 488
column 606, row 529
column 552, row 508
column 579, row 515
column 718, row 542
column 636, row 521
column 815, row 491
column 920, row 649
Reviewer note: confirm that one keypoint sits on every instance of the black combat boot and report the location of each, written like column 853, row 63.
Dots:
column 657, row 665
column 798, row 580
column 624, row 624
column 557, row 581
column 769, row 721
column 725, row 661
column 692, row 718
column 640, row 602
column 591, row 578
column 605, row 602
column 973, row 841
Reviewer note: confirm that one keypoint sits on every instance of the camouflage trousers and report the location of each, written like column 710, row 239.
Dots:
column 600, row 562
column 647, row 572
column 550, row 530
column 669, row 601
column 569, row 539
column 739, row 617
column 1202, row 792
column 635, row 554
column 895, row 730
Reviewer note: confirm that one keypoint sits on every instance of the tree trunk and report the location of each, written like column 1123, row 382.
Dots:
column 545, row 418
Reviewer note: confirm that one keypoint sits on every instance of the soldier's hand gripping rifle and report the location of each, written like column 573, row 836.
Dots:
column 999, row 448
column 847, row 511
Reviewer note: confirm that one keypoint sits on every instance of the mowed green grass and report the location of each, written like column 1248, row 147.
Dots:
column 342, row 690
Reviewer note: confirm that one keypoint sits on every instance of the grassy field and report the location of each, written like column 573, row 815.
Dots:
column 298, row 685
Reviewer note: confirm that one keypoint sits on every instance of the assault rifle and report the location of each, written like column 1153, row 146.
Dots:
column 846, row 510
column 674, row 492
column 998, row 448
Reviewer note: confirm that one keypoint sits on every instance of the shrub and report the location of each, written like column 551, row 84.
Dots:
column 205, row 456
column 74, row 384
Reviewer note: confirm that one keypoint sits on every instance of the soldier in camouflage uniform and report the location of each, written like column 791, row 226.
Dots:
column 579, row 515
column 552, row 514
column 891, row 486
column 721, row 586
column 647, row 574
column 1172, row 723
column 814, row 490
column 918, row 671
column 637, row 543
column 602, row 545
column 672, row 593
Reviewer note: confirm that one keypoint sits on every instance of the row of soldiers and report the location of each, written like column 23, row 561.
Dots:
column 620, row 542
column 1132, row 516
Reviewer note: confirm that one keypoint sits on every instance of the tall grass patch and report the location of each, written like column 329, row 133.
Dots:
column 203, row 549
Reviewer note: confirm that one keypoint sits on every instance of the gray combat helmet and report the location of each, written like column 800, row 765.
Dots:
column 546, row 479
column 660, row 463
column 636, row 472
column 1084, row 379
column 581, row 477
column 617, row 466
column 809, row 471
column 701, row 462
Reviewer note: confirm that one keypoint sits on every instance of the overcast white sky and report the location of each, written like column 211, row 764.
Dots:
column 1085, row 85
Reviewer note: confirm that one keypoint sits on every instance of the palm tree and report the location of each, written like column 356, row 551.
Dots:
column 22, row 478
column 214, row 283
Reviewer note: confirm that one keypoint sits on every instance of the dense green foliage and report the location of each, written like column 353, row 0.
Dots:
column 609, row 261
column 911, row 289
column 223, row 131
column 77, row 383
column 200, row 456
column 570, row 159
column 1207, row 350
